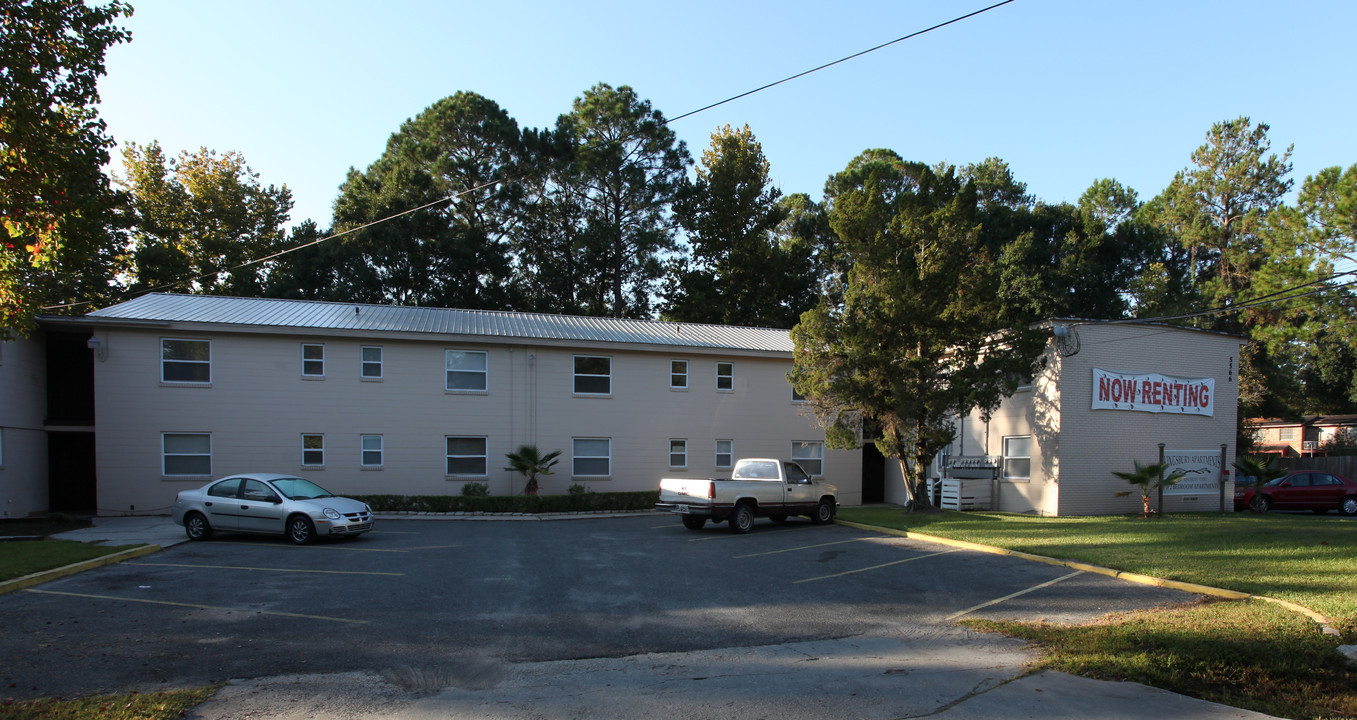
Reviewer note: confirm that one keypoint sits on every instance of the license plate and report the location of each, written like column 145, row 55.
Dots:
column 681, row 509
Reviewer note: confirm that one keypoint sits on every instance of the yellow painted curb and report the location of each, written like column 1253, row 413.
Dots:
column 38, row 578
column 1324, row 622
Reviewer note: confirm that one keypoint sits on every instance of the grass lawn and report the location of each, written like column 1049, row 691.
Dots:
column 24, row 557
column 134, row 706
column 1252, row 654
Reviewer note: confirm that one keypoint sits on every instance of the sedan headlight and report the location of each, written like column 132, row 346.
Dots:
column 332, row 513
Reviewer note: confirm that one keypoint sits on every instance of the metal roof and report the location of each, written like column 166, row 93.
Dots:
column 244, row 313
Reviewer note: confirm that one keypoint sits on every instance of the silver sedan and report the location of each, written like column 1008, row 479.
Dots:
column 269, row 503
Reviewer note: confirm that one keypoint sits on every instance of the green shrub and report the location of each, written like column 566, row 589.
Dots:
column 530, row 504
column 475, row 490
column 576, row 489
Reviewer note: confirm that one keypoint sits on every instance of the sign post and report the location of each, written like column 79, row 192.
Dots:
column 1224, row 472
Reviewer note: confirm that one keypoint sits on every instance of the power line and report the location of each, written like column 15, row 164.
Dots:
column 459, row 193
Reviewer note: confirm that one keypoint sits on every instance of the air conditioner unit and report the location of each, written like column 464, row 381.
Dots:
column 1309, row 445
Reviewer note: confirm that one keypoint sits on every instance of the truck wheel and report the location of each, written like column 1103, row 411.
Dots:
column 824, row 513
column 742, row 520
column 694, row 522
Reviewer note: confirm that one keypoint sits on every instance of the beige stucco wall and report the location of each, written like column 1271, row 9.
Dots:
column 258, row 405
column 23, row 405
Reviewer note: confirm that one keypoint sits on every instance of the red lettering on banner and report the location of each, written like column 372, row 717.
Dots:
column 1206, row 396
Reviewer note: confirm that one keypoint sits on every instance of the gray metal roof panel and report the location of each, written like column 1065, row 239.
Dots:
column 269, row 312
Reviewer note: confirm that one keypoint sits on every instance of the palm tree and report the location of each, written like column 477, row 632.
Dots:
column 530, row 463
column 1258, row 468
column 1148, row 478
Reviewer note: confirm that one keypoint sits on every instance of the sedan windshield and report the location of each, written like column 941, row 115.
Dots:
column 295, row 488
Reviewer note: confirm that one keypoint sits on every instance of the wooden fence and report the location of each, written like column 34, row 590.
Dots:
column 1345, row 465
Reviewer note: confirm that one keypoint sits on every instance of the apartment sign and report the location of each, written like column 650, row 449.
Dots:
column 1153, row 393
column 1200, row 471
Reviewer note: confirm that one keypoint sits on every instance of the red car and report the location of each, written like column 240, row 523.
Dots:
column 1300, row 490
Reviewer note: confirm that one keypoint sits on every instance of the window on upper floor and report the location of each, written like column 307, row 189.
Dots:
column 185, row 361
column 313, row 360
column 593, row 375
column 186, row 453
column 1286, row 434
column 725, row 376
column 678, row 374
column 810, row 455
column 313, row 450
column 466, row 370
column 467, row 456
column 371, row 362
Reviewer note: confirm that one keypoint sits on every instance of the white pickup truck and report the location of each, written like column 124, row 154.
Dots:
column 758, row 487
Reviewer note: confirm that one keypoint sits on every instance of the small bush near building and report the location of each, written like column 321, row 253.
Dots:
column 475, row 490
column 527, row 504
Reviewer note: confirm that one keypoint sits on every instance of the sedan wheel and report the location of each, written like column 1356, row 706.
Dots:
column 300, row 530
column 1260, row 504
column 196, row 527
column 1348, row 506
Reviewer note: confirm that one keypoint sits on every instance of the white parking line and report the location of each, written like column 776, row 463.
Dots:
column 802, row 547
column 876, row 567
column 996, row 601
column 197, row 607
column 265, row 569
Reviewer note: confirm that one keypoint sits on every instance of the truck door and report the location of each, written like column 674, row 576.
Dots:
column 801, row 494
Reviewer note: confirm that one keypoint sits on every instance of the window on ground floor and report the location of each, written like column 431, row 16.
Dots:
column 372, row 449
column 725, row 453
column 592, row 457
column 186, row 453
column 810, row 455
column 1018, row 458
column 678, row 453
column 313, row 450
column 466, row 456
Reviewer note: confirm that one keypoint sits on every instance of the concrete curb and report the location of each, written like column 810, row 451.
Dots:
column 1325, row 624
column 510, row 517
column 38, row 578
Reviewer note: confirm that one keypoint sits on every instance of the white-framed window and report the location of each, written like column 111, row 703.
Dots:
column 185, row 361
column 467, row 370
column 592, row 457
column 467, row 456
column 1286, row 434
column 678, row 374
column 797, row 397
column 678, row 453
column 1018, row 458
column 810, row 455
column 725, row 453
column 725, row 376
column 313, row 360
column 313, row 450
column 371, row 448
column 186, row 453
column 593, row 375
column 371, row 362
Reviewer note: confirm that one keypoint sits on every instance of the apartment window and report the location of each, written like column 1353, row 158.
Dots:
column 466, row 370
column 678, row 453
column 797, row 397
column 371, row 363
column 593, row 375
column 725, row 376
column 810, row 456
column 592, row 457
column 466, row 456
column 185, row 361
column 371, row 449
column 1018, row 458
column 1286, row 434
column 725, row 453
column 313, row 451
column 313, row 360
column 186, row 453
column 678, row 374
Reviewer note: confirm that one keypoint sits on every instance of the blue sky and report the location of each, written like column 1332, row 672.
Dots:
column 1065, row 91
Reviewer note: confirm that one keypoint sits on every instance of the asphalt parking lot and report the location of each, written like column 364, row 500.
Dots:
column 415, row 594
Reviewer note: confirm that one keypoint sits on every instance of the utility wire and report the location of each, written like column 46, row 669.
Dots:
column 1259, row 301
column 459, row 193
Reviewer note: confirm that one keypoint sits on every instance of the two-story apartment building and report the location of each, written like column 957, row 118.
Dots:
column 1301, row 437
column 368, row 399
